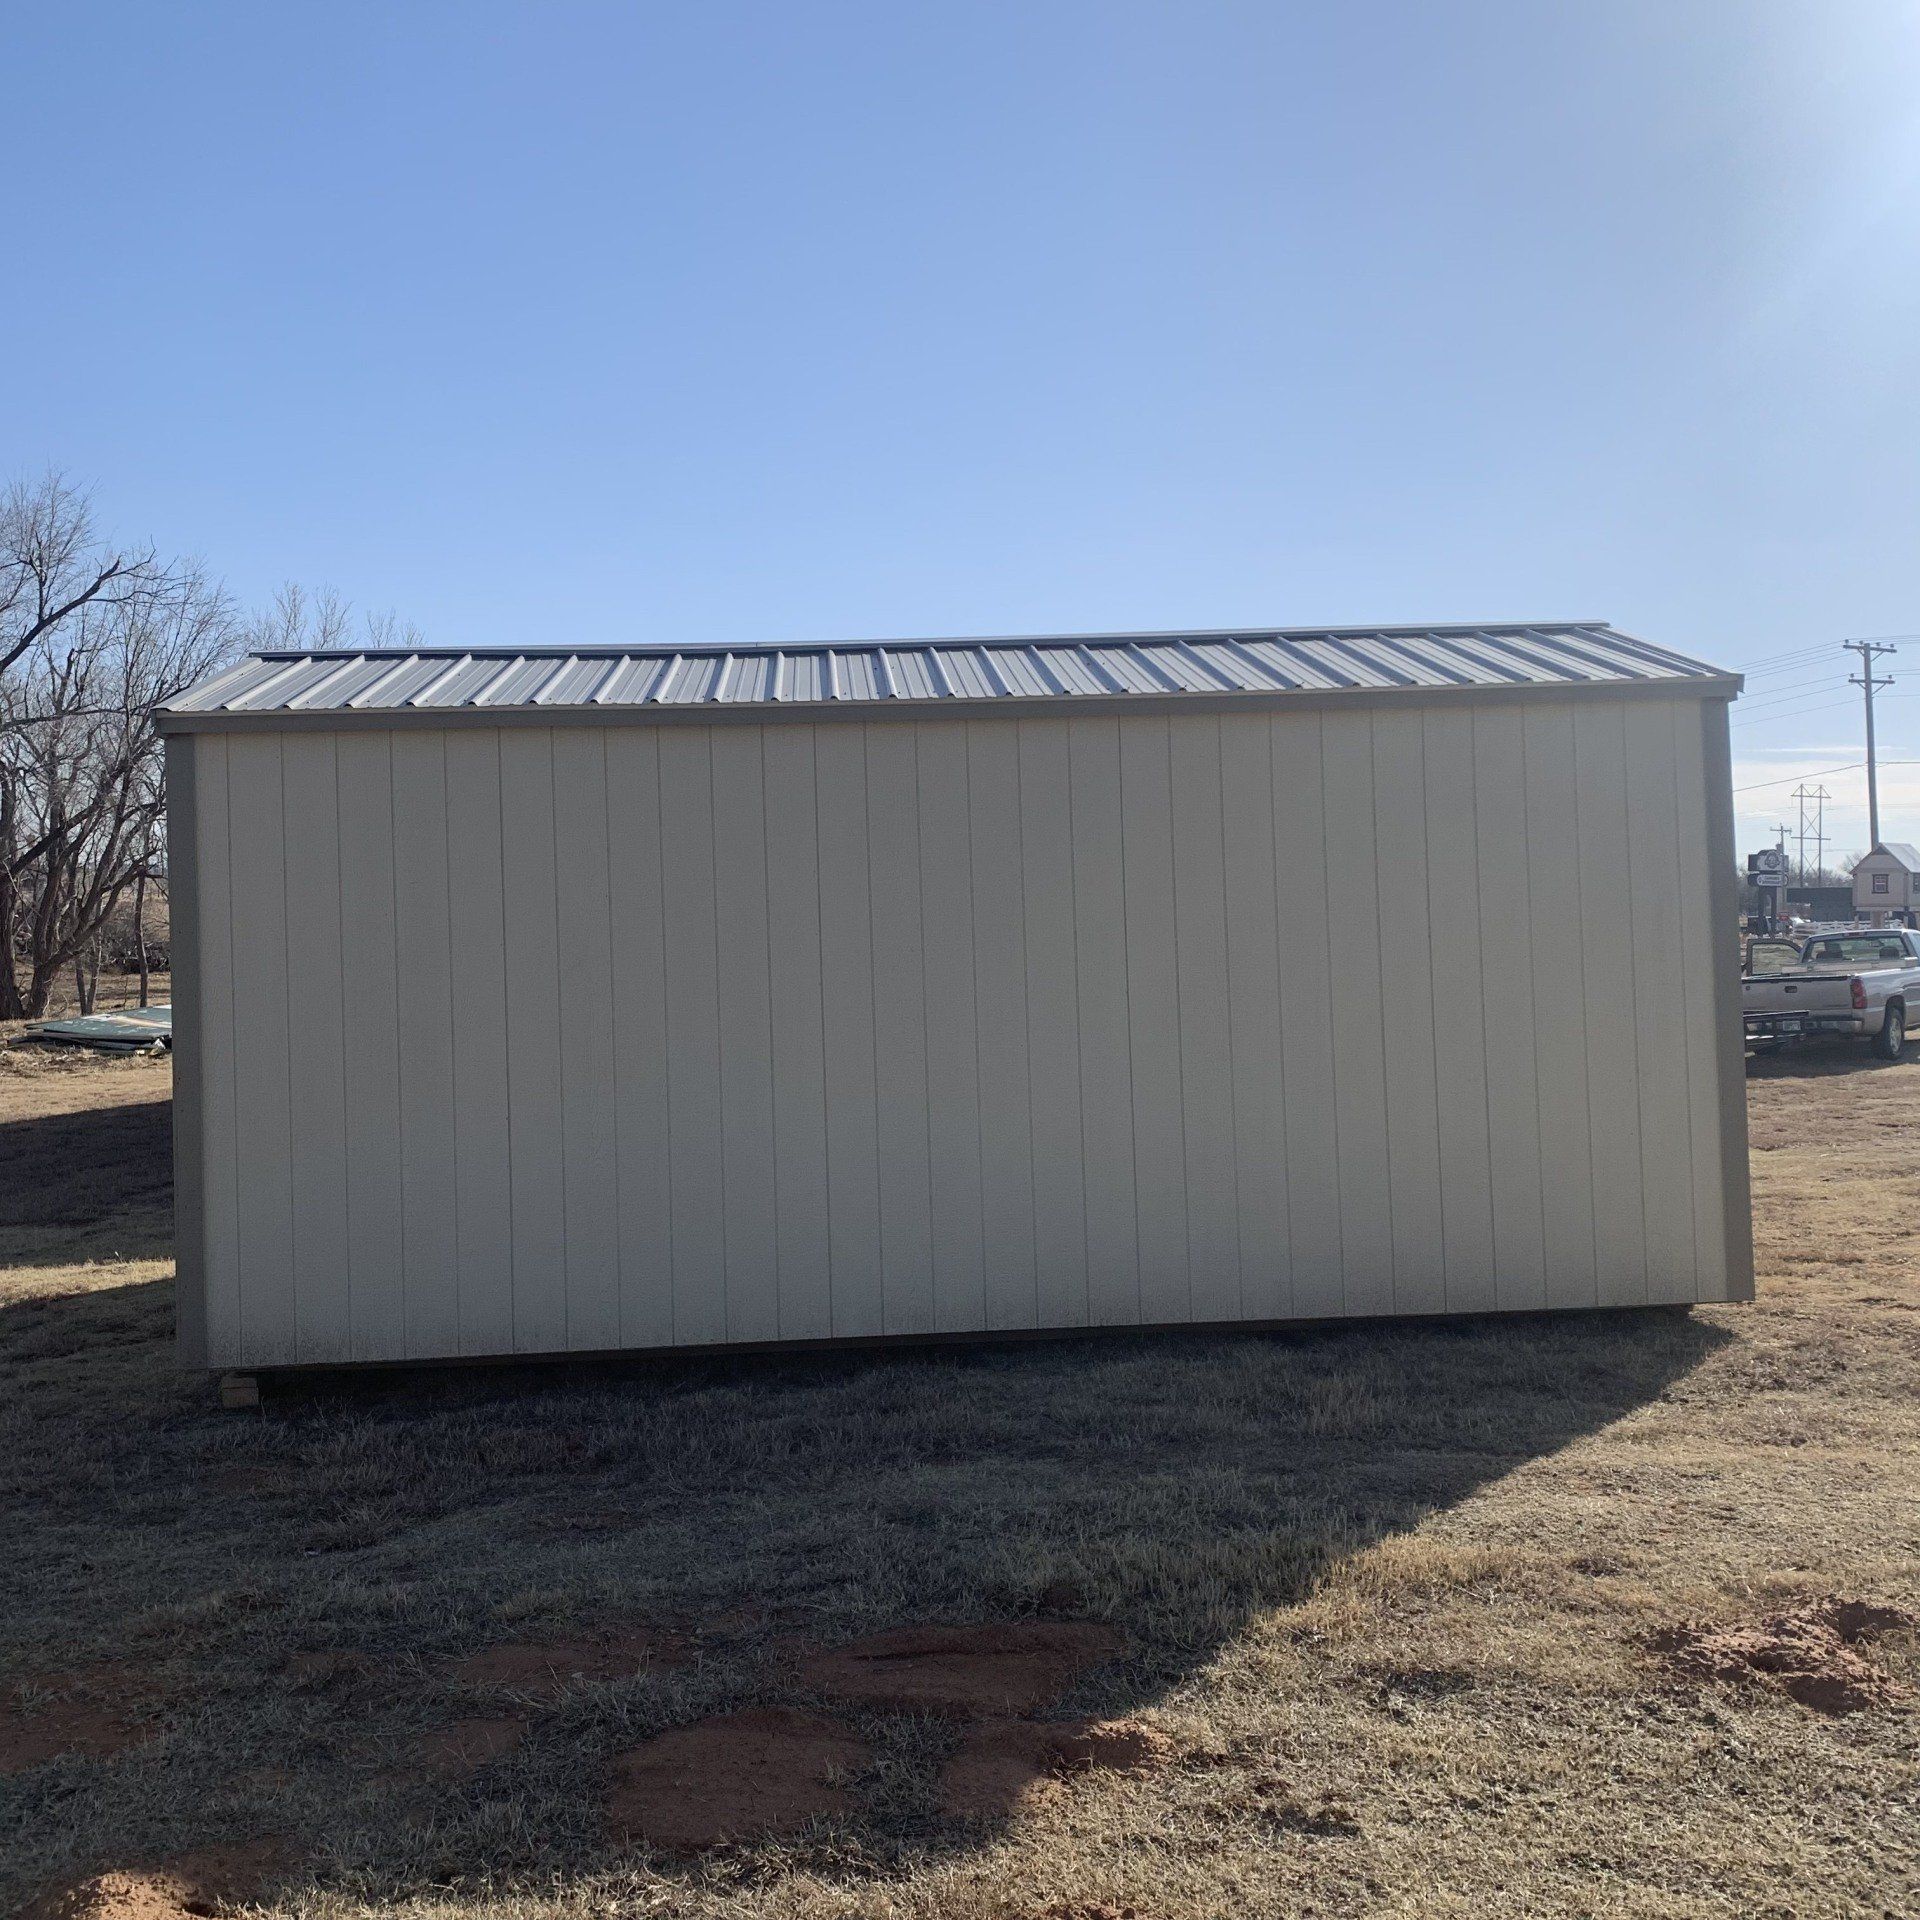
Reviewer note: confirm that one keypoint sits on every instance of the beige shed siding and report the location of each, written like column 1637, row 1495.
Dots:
column 563, row 1039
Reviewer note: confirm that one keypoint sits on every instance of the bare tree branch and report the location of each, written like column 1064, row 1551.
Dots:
column 92, row 642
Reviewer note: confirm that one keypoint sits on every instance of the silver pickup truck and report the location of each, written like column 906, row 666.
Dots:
column 1862, row 982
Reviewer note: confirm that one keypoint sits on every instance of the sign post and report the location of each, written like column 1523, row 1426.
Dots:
column 1767, row 870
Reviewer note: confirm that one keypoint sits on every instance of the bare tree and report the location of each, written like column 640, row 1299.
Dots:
column 52, row 567
column 92, row 641
column 300, row 620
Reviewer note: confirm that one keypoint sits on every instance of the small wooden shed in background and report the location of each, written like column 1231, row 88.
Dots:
column 1886, row 882
column 568, row 1001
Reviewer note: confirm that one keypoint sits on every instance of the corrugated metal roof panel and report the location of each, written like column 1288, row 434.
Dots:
column 280, row 684
column 1271, row 661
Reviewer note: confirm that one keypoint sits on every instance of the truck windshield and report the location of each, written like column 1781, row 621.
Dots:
column 1856, row 950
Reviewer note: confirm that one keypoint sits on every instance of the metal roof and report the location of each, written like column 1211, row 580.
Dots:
column 1166, row 667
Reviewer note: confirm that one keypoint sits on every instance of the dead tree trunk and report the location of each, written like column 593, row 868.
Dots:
column 140, row 929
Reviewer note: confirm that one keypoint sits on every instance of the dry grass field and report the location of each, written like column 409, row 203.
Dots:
column 1389, row 1618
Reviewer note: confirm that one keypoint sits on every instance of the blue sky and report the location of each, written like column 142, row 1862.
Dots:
column 747, row 323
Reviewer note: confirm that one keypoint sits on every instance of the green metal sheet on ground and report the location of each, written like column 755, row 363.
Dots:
column 127, row 1030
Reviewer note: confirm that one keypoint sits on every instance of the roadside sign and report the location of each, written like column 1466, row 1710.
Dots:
column 1767, row 860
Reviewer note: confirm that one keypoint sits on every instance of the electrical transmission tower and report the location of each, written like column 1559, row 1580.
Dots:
column 1815, row 798
column 1868, row 681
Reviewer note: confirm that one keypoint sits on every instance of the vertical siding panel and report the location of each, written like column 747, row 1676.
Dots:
column 1304, row 936
column 1106, row 1058
column 1660, row 1011
column 1206, row 1040
column 220, row 1136
column 900, row 1028
column 953, row 1060
column 427, row 1118
column 846, row 952
column 1160, row 1174
column 189, row 1055
column 639, row 1036
column 1704, row 950
column 746, row 1034
column 368, row 942
column 1559, row 1005
column 1253, row 991
column 1053, row 1003
column 1613, row 1079
column 1000, row 964
column 799, row 1048
column 263, row 1112
column 696, row 1157
column 534, row 1110
column 1505, row 989
column 316, row 978
column 1406, row 984
column 1459, row 1030
column 483, row 1164
column 1734, row 1183
column 590, row 1172
column 1359, row 1057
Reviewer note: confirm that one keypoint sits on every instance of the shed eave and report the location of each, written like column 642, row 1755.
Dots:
column 174, row 721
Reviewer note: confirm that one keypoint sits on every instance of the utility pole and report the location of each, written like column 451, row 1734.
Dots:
column 1865, row 679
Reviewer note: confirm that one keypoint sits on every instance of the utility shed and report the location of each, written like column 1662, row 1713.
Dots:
column 1887, row 881
column 565, row 1000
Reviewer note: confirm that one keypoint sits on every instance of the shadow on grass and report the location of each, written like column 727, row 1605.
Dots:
column 1183, row 1488
column 88, row 1185
column 1823, row 1059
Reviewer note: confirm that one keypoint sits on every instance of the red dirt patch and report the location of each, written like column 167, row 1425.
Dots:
column 1805, row 1652
column 195, row 1884
column 458, row 1750
column 1004, row 1764
column 985, row 1670
column 90, row 1714
column 544, row 1670
column 733, row 1777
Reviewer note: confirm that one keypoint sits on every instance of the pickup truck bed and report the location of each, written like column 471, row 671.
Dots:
column 1863, row 985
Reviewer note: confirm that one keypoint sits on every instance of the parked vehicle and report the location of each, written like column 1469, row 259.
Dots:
column 1859, row 982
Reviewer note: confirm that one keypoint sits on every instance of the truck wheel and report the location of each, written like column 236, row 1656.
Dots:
column 1891, row 1041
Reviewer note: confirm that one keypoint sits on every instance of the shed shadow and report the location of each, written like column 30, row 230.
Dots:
column 87, row 1185
column 1185, row 1489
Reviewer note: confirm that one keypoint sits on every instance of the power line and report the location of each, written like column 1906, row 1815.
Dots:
column 1812, row 650
column 1774, row 693
column 1816, row 773
column 1782, row 696
column 1768, row 661
column 1826, row 706
column 1785, row 663
column 1852, row 766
